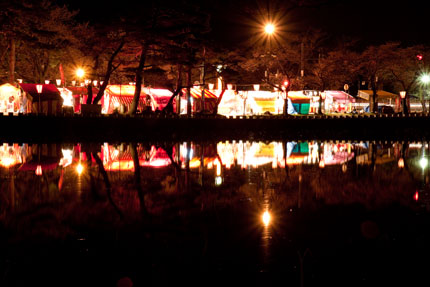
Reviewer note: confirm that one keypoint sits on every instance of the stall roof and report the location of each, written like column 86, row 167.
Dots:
column 197, row 93
column 339, row 95
column 123, row 90
column 49, row 91
column 365, row 94
column 81, row 90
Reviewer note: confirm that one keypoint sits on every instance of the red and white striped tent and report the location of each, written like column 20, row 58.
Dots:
column 50, row 99
column 196, row 102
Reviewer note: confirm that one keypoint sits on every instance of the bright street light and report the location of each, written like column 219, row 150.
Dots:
column 269, row 29
column 80, row 73
column 425, row 78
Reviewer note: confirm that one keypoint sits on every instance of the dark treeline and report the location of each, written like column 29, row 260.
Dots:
column 169, row 44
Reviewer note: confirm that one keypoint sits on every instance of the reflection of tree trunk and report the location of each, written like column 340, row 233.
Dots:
column 187, row 166
column 201, row 168
column 287, row 173
column 137, row 179
column 107, row 184
column 12, row 191
column 372, row 152
column 175, row 164
column 354, row 163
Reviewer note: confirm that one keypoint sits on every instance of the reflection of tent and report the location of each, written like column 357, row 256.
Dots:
column 297, row 152
column 47, row 163
column 10, row 99
column 114, row 160
column 50, row 99
column 337, row 153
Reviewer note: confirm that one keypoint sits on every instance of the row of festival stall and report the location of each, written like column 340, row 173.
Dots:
column 50, row 99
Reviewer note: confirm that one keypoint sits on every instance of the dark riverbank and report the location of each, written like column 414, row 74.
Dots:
column 31, row 128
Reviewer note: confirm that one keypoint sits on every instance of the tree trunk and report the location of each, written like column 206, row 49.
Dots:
column 109, row 70
column 139, row 78
column 179, row 88
column 189, row 91
column 374, row 98
column 215, row 111
column 423, row 101
column 12, row 59
column 89, row 93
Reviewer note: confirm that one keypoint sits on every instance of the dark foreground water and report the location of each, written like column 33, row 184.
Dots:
column 215, row 213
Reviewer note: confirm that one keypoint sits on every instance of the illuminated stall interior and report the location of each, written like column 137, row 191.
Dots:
column 11, row 100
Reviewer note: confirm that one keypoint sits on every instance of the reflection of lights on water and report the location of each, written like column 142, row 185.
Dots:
column 79, row 168
column 218, row 180
column 67, row 157
column 423, row 162
column 416, row 196
column 401, row 163
column 39, row 170
column 344, row 167
column 266, row 217
column 7, row 161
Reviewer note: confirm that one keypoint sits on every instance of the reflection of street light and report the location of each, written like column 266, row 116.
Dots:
column 402, row 96
column 39, row 91
column 266, row 218
column 79, row 168
column 423, row 162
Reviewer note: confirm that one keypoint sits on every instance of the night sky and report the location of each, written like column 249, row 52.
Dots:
column 371, row 21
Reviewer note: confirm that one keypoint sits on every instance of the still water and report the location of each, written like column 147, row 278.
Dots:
column 302, row 213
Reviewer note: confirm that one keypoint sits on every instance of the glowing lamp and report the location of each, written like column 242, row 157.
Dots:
column 269, row 29
column 402, row 94
column 416, row 196
column 47, row 82
column 20, row 81
column 322, row 164
column 229, row 86
column 323, row 95
column 425, row 79
column 73, row 83
column 58, row 81
column 95, row 83
column 211, row 86
column 80, row 73
column 256, row 87
column 39, row 88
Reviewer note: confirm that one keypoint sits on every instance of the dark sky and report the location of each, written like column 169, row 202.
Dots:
column 233, row 21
